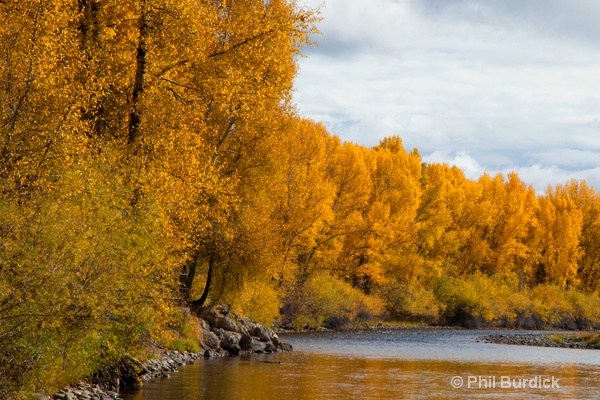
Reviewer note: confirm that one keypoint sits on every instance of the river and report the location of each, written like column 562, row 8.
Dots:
column 398, row 364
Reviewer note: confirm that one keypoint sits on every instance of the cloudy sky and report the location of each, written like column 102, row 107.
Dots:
column 488, row 85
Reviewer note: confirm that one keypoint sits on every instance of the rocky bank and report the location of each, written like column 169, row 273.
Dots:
column 221, row 334
column 535, row 339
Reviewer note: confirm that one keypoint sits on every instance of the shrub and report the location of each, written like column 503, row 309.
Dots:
column 475, row 301
column 326, row 300
column 258, row 301
column 187, row 331
column 417, row 304
column 182, row 345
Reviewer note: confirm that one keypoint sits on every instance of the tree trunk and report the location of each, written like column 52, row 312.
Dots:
column 135, row 117
column 200, row 302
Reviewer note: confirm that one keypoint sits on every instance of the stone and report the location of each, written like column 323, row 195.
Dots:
column 246, row 324
column 258, row 347
column 204, row 325
column 218, row 332
column 208, row 353
column 246, row 342
column 210, row 315
column 263, row 333
column 285, row 346
column 231, row 342
column 270, row 347
column 227, row 324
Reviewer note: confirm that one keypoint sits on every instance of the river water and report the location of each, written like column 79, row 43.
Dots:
column 399, row 364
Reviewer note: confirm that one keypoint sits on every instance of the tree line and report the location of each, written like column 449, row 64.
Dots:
column 151, row 158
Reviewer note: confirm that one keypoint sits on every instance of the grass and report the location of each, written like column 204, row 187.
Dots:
column 592, row 339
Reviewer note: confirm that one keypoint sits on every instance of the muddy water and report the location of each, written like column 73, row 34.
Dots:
column 411, row 364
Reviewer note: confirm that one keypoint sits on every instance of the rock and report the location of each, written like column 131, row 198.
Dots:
column 209, row 353
column 246, row 324
column 204, row 325
column 285, row 346
column 231, row 342
column 270, row 347
column 246, row 342
column 209, row 314
column 218, row 332
column 263, row 333
column 227, row 324
column 275, row 339
column 259, row 347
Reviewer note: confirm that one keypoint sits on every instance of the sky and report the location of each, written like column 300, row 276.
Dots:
column 488, row 85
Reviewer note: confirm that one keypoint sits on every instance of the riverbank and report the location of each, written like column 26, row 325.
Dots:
column 541, row 340
column 221, row 334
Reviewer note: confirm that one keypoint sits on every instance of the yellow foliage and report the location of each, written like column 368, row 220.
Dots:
column 147, row 145
column 258, row 301
column 324, row 298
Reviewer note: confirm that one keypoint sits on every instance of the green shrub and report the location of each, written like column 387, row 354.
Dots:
column 182, row 345
column 326, row 300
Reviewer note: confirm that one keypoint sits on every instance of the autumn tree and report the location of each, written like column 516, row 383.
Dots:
column 558, row 237
column 587, row 200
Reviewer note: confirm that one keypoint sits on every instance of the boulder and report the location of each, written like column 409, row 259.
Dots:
column 218, row 332
column 209, row 339
column 246, row 342
column 246, row 324
column 231, row 342
column 258, row 346
column 285, row 346
column 270, row 347
column 227, row 324
column 204, row 324
column 209, row 314
column 265, row 334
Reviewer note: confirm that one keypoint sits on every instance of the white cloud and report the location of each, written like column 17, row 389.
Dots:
column 501, row 85
column 470, row 167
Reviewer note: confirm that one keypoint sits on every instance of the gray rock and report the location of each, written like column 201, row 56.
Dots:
column 204, row 325
column 246, row 342
column 231, row 342
column 285, row 346
column 247, row 323
column 270, row 347
column 259, row 347
column 209, row 353
column 210, row 315
column 264, row 334
column 218, row 332
column 227, row 324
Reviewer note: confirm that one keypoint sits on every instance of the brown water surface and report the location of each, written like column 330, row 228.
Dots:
column 412, row 364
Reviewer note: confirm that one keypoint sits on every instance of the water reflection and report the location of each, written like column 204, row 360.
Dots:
column 336, row 372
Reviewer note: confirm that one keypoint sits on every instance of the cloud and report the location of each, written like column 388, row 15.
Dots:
column 569, row 159
column 543, row 176
column 574, row 19
column 502, row 84
column 539, row 176
column 470, row 166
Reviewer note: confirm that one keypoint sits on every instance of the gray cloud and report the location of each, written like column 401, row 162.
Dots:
column 489, row 85
column 577, row 19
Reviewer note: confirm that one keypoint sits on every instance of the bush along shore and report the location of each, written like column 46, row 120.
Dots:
column 221, row 334
column 542, row 340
